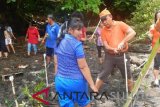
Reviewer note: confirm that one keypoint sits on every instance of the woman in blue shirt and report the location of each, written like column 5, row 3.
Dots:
column 72, row 72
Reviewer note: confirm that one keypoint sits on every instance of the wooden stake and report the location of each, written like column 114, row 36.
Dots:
column 45, row 65
column 11, row 78
column 125, row 61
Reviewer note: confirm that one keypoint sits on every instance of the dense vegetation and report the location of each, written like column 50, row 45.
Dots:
column 143, row 16
column 138, row 13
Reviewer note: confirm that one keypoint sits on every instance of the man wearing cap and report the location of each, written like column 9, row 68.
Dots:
column 115, row 36
column 50, row 37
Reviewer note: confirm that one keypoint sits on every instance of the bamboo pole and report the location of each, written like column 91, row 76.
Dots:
column 11, row 78
column 95, row 30
column 143, row 73
column 96, row 27
column 45, row 65
column 126, row 76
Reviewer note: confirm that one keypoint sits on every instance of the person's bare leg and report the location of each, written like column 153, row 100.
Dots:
column 99, row 83
column 0, row 54
column 29, row 53
column 8, row 48
column 48, row 59
column 12, row 48
column 6, row 54
column 100, row 60
column 130, row 84
column 156, row 73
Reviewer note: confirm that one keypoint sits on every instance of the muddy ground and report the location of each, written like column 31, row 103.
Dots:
column 31, row 71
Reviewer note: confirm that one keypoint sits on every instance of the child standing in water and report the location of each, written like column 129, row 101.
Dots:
column 32, row 37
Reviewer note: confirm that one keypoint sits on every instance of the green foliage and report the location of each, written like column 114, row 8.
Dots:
column 143, row 17
column 122, row 9
column 8, row 103
column 28, row 91
column 33, row 88
column 39, row 86
column 9, row 1
column 125, row 5
column 82, row 5
column 46, row 5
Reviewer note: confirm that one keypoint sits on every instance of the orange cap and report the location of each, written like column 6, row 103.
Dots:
column 104, row 13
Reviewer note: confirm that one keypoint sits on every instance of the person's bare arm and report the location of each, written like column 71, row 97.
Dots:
column 109, row 48
column 84, row 38
column 91, row 37
column 38, row 37
column 149, row 33
column 129, row 35
column 86, row 73
column 26, row 37
column 150, row 36
column 5, row 34
column 13, row 35
column 44, row 38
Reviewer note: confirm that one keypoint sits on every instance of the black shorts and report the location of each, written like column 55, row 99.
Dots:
column 49, row 51
column 157, row 61
column 3, row 46
column 114, row 60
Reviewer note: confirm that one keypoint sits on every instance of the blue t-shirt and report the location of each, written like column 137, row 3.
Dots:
column 69, row 50
column 52, row 31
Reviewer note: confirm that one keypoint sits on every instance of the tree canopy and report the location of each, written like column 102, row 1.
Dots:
column 143, row 16
column 25, row 10
column 80, row 5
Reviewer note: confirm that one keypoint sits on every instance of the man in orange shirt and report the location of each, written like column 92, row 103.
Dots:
column 115, row 36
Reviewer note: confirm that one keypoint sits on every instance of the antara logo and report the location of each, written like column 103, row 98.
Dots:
column 46, row 91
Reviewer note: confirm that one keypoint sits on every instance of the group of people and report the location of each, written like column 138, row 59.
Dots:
column 72, row 73
column 65, row 44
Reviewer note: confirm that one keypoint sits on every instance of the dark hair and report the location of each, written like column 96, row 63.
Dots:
column 77, row 14
column 74, row 23
column 5, row 27
column 103, row 18
column 50, row 16
column 155, row 16
column 32, row 23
